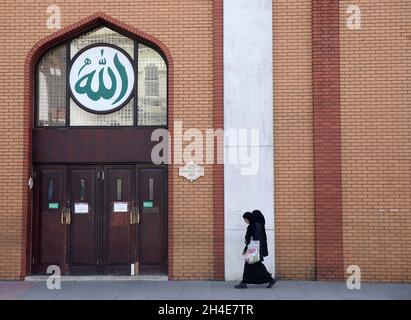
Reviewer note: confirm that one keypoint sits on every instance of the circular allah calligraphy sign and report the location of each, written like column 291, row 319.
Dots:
column 101, row 78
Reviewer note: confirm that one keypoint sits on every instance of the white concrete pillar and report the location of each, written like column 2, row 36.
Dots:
column 248, row 104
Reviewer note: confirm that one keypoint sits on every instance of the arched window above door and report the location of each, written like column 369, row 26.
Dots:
column 101, row 78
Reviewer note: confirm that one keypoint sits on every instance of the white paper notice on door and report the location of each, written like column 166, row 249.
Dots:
column 120, row 207
column 81, row 207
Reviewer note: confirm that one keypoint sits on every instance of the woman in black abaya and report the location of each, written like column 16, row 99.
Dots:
column 256, row 273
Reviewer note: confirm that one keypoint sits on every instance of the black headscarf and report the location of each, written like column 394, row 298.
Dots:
column 256, row 230
column 249, row 216
column 258, row 217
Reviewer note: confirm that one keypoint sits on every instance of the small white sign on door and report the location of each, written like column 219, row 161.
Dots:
column 120, row 207
column 81, row 207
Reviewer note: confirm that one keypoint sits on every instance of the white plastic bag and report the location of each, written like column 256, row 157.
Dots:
column 253, row 252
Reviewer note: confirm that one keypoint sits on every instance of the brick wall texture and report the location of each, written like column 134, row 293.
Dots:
column 186, row 28
column 375, row 130
column 293, row 140
column 376, row 139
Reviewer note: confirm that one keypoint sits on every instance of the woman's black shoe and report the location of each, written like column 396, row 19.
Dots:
column 271, row 283
column 241, row 286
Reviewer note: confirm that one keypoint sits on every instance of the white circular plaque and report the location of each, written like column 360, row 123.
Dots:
column 101, row 78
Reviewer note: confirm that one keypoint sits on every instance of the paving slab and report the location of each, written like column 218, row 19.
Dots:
column 199, row 290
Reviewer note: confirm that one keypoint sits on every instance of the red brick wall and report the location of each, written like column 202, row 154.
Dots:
column 358, row 98
column 361, row 125
column 327, row 140
column 293, row 140
column 190, row 45
column 375, row 139
column 218, row 124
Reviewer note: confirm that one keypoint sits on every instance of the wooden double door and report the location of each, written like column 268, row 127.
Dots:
column 100, row 219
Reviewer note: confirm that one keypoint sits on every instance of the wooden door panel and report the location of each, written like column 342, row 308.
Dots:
column 50, row 232
column 152, row 225
column 118, row 201
column 151, row 240
column 83, row 229
column 102, row 233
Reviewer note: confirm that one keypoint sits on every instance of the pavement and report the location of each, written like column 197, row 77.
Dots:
column 198, row 290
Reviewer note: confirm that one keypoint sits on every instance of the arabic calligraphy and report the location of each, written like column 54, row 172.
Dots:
column 104, row 75
column 87, row 61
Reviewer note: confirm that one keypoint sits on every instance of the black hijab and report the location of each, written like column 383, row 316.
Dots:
column 256, row 230
column 249, row 216
column 258, row 217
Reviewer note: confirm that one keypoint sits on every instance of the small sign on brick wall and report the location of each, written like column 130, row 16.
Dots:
column 191, row 171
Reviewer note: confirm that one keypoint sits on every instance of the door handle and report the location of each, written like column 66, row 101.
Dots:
column 134, row 216
column 68, row 216
column 63, row 216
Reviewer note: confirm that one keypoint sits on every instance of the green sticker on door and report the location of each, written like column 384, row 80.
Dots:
column 53, row 205
column 147, row 204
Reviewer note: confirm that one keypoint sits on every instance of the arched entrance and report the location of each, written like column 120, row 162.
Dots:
column 99, row 206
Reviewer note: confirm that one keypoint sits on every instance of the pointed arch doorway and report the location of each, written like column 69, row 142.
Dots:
column 100, row 206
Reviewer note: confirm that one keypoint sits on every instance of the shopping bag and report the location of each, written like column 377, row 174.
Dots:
column 252, row 254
